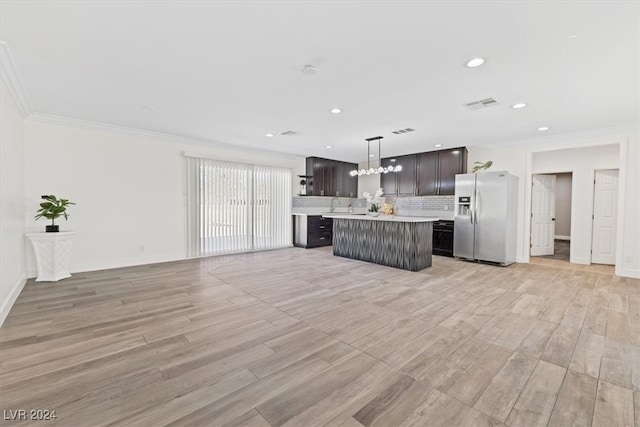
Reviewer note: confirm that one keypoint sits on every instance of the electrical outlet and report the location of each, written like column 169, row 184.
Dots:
column 141, row 248
column 628, row 259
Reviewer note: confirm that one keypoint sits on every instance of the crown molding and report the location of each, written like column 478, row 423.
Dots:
column 602, row 132
column 9, row 74
column 143, row 133
column 122, row 130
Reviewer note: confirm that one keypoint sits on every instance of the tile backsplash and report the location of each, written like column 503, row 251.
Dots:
column 422, row 203
column 325, row 202
column 401, row 204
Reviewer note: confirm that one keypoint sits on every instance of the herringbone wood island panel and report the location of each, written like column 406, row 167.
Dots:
column 302, row 338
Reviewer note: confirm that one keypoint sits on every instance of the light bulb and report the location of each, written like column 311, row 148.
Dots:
column 398, row 168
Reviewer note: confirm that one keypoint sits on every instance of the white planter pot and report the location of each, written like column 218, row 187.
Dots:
column 52, row 252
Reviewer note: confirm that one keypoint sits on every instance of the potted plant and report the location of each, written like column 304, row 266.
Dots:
column 479, row 166
column 51, row 209
column 303, row 183
column 374, row 202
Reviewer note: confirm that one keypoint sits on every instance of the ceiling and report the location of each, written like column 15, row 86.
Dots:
column 231, row 71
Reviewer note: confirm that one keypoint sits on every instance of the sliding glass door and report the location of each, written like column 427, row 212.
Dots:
column 236, row 207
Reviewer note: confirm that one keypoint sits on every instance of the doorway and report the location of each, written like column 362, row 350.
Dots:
column 551, row 216
column 605, row 213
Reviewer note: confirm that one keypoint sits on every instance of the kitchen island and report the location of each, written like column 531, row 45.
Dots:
column 395, row 241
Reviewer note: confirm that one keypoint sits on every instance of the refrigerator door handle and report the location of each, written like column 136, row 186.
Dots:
column 476, row 208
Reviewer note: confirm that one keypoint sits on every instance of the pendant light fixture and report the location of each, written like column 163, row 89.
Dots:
column 374, row 171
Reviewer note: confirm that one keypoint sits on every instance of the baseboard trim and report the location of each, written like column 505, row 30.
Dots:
column 13, row 296
column 579, row 260
column 628, row 272
column 562, row 237
column 110, row 265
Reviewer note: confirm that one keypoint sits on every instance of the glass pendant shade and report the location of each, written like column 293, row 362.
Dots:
column 380, row 169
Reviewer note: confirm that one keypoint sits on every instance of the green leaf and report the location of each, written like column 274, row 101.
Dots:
column 53, row 208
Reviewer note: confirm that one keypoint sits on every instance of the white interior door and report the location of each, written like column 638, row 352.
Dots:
column 605, row 212
column 543, row 211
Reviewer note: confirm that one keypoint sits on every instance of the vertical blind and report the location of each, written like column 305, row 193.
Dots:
column 234, row 207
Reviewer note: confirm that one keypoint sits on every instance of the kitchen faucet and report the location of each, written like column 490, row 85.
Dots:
column 332, row 207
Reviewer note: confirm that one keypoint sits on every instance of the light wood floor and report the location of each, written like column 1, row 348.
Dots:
column 301, row 338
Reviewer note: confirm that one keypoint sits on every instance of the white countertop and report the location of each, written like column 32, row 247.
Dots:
column 326, row 211
column 393, row 218
column 441, row 215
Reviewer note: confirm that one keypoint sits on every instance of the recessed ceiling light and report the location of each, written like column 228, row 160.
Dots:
column 372, row 155
column 438, row 145
column 148, row 107
column 335, row 111
column 475, row 62
column 519, row 105
column 572, row 36
column 329, row 146
column 270, row 135
column 543, row 128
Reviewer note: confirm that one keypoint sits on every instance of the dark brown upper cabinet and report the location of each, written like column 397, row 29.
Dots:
column 450, row 163
column 407, row 176
column 388, row 180
column 428, row 174
column 401, row 183
column 425, row 174
column 331, row 178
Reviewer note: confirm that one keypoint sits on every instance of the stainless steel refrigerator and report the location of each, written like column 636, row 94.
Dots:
column 486, row 216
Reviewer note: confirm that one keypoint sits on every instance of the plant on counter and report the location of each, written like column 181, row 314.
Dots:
column 303, row 184
column 479, row 166
column 51, row 209
column 374, row 201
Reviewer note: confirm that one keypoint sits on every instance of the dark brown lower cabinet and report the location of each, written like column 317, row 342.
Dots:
column 312, row 231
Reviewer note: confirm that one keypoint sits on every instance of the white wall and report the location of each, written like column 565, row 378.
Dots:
column 12, row 210
column 582, row 162
column 518, row 160
column 563, row 205
column 129, row 190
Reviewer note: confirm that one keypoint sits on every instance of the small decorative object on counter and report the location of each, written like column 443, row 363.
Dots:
column 374, row 202
column 387, row 209
column 303, row 185
column 51, row 209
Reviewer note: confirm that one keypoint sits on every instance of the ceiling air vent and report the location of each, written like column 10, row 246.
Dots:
column 401, row 131
column 289, row 133
column 483, row 103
